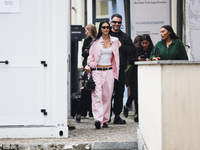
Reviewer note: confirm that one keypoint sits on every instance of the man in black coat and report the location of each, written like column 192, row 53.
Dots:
column 127, row 48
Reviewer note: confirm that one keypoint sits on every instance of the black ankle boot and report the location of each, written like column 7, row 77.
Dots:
column 125, row 111
column 119, row 120
column 97, row 124
column 78, row 118
column 136, row 118
column 105, row 125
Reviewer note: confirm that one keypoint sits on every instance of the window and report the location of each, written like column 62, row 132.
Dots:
column 100, row 11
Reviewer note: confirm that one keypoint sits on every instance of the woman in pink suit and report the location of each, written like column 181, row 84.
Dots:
column 103, row 61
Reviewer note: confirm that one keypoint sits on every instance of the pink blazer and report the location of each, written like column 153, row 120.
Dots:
column 95, row 53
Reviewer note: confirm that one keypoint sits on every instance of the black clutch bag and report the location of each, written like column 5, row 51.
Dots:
column 91, row 84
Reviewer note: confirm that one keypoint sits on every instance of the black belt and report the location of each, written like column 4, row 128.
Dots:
column 109, row 68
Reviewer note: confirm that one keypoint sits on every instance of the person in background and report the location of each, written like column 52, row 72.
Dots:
column 136, row 42
column 125, row 49
column 128, row 71
column 103, row 60
column 86, row 102
column 170, row 47
column 143, row 54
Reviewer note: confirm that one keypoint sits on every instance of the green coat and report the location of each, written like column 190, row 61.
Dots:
column 175, row 51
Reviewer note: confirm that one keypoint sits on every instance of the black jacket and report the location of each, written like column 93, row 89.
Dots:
column 126, row 49
column 86, row 45
column 134, row 58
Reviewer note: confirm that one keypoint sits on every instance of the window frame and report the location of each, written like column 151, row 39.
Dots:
column 95, row 20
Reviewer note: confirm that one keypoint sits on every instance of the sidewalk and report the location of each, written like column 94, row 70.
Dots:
column 85, row 136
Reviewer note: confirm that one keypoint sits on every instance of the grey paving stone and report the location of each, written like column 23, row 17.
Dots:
column 83, row 137
column 114, row 146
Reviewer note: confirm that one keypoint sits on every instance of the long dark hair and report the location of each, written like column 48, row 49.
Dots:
column 99, row 32
column 147, row 38
column 170, row 29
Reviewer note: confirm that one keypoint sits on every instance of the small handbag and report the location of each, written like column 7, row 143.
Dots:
column 87, row 82
column 90, row 84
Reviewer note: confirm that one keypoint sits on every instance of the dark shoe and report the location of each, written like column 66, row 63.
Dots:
column 136, row 118
column 71, row 127
column 105, row 125
column 125, row 111
column 90, row 115
column 97, row 124
column 119, row 120
column 78, row 118
column 109, row 120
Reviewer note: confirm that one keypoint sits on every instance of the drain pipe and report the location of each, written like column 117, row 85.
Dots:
column 179, row 18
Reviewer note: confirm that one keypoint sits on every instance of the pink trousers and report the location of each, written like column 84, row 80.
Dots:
column 101, row 96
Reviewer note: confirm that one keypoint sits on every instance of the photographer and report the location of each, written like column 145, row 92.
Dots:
column 85, row 103
column 143, row 54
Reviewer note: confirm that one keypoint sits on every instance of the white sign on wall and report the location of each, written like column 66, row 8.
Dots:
column 9, row 6
column 147, row 16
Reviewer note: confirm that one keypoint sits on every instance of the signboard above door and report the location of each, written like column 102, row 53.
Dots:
column 77, row 32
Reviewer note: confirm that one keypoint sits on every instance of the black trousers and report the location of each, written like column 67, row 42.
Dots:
column 133, row 96
column 85, row 103
column 118, row 93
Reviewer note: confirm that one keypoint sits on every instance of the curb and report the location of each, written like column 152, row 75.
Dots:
column 73, row 146
column 114, row 146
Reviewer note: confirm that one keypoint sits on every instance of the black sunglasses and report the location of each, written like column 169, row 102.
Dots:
column 105, row 27
column 119, row 22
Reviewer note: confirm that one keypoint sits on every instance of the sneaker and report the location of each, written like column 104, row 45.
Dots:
column 119, row 120
column 125, row 111
column 78, row 118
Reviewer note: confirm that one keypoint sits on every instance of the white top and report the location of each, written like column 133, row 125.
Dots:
column 105, row 58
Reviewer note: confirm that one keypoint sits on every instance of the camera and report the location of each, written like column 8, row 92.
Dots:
column 143, row 56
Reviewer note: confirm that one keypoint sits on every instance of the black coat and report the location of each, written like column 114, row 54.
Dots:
column 86, row 45
column 126, row 49
column 134, row 58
